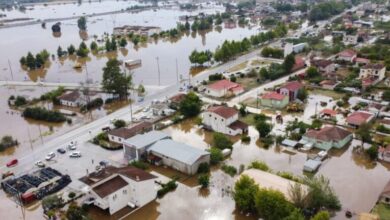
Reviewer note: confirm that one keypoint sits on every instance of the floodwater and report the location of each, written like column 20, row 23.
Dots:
column 15, row 43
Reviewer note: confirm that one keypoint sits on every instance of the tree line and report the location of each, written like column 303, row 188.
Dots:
column 35, row 62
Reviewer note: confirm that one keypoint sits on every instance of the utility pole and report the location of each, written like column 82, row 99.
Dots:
column 40, row 133
column 10, row 68
column 158, row 70
column 177, row 72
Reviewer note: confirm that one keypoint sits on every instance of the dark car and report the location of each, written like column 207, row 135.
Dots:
column 61, row 150
column 104, row 163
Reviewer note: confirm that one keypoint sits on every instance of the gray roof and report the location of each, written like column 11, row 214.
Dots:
column 177, row 151
column 289, row 143
column 143, row 140
column 311, row 165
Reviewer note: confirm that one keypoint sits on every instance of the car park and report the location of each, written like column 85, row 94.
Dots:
column 75, row 154
column 40, row 164
column 50, row 156
column 12, row 163
column 61, row 150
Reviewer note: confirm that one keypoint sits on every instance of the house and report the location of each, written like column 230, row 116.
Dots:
column 385, row 122
column 224, row 88
column 135, row 148
column 357, row 118
column 347, row 55
column 385, row 195
column 174, row 101
column 71, row 99
column 325, row 66
column 375, row 108
column 178, row 156
column 350, row 39
column 274, row 100
column 375, row 72
column 384, row 153
column 291, row 48
column 328, row 84
column 299, row 64
column 362, row 61
column 290, row 89
column 161, row 109
column 328, row 113
column 271, row 181
column 223, row 119
column 328, row 137
column 120, row 134
column 114, row 188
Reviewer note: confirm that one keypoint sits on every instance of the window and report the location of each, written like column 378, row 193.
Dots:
column 215, row 118
column 222, row 119
column 125, row 191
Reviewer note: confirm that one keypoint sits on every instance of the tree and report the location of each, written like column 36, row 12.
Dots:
column 93, row 46
column 114, row 81
column 316, row 124
column 39, row 61
column 141, row 89
column 263, row 128
column 123, row 42
column 321, row 194
column 312, row 72
column 289, row 62
column 113, row 44
column 71, row 49
column 83, row 50
column 221, row 141
column 191, row 105
column 363, row 132
column 82, row 23
column 264, row 73
column 244, row 193
column 302, row 94
column 322, row 215
column 30, row 61
column 216, row 155
column 271, row 204
column 204, row 180
column 60, row 52
column 372, row 152
column 23, row 61
column 243, row 111
column 119, row 123
column 386, row 95
column 74, row 212
column 298, row 195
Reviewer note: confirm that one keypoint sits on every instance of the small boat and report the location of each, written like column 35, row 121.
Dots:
column 77, row 66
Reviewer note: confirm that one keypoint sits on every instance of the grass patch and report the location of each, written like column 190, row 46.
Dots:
column 248, row 119
column 382, row 210
column 238, row 67
column 325, row 92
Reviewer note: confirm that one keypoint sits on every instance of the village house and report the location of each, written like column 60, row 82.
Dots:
column 372, row 73
column 375, row 108
column 174, row 101
column 328, row 137
column 324, row 66
column 329, row 84
column 274, row 100
column 328, row 113
column 178, row 156
column 161, row 109
column 223, row 119
column 291, row 48
column 347, row 55
column 290, row 89
column 350, row 39
column 115, row 188
column 224, row 88
column 120, row 134
column 299, row 64
column 357, row 118
column 72, row 99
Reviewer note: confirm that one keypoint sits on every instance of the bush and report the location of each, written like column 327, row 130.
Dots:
column 96, row 103
column 231, row 170
column 167, row 187
column 204, row 180
column 221, row 141
column 215, row 77
column 245, row 139
column 204, row 168
column 140, row 165
column 216, row 155
column 39, row 113
column 6, row 142
column 260, row 165
column 119, row 123
column 372, row 152
column 71, row 195
column 383, row 129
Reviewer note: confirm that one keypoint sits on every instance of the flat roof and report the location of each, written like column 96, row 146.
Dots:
column 142, row 140
column 178, row 151
column 272, row 181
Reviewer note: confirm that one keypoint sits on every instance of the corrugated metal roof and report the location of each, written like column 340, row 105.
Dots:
column 142, row 140
column 178, row 151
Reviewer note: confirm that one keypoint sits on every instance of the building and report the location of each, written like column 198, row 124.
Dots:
column 355, row 119
column 311, row 165
column 71, row 99
column 328, row 137
column 374, row 72
column 299, row 64
column 291, row 48
column 138, row 30
column 385, row 195
column 114, row 188
column 375, row 108
column 290, row 89
column 174, row 101
column 162, row 109
column 224, row 88
column 274, row 100
column 384, row 153
column 223, row 119
column 178, row 156
column 350, row 39
column 120, row 134
column 328, row 84
column 347, row 55
column 328, row 113
column 135, row 148
column 271, row 181
column 324, row 66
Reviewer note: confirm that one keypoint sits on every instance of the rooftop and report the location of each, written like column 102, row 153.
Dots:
column 321, row 63
column 329, row 133
column 70, row 96
column 328, row 111
column 292, row 86
column 223, row 84
column 110, row 186
column 178, row 151
column 223, row 111
column 132, row 130
column 273, row 95
column 348, row 53
column 143, row 140
column 358, row 118
column 375, row 66
column 238, row 125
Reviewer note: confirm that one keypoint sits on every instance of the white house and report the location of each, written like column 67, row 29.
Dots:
column 297, row 48
column 115, row 188
column 350, row 39
column 121, row 134
column 224, row 88
column 72, row 99
column 347, row 55
column 223, row 119
column 375, row 71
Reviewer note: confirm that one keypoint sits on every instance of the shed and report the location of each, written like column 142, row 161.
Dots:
column 289, row 143
column 311, row 165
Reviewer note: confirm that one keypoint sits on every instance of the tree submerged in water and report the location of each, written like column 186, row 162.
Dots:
column 114, row 81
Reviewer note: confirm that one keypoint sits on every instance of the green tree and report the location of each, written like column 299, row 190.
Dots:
column 322, row 215
column 93, row 46
column 316, row 124
column 321, row 194
column 289, row 62
column 263, row 128
column 204, row 180
column 264, row 73
column 216, row 155
column 363, row 132
column 114, row 81
column 302, row 94
column 141, row 89
column 245, row 190
column 71, row 49
column 23, row 61
column 113, row 44
column 39, row 61
column 75, row 212
column 312, row 72
column 271, row 204
column 123, row 42
column 60, row 52
column 191, row 105
column 221, row 141
column 82, row 23
column 119, row 123
column 386, row 95
column 372, row 152
column 30, row 61
column 83, row 50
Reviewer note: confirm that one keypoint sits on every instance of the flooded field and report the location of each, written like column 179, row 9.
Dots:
column 15, row 44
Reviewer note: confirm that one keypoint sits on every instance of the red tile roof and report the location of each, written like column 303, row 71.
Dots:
column 329, row 133
column 238, row 125
column 358, row 118
column 348, row 53
column 321, row 63
column 178, row 98
column 273, row 95
column 292, row 86
column 375, row 66
column 299, row 64
column 362, row 60
column 223, row 111
column 223, row 84
column 70, row 96
column 329, row 112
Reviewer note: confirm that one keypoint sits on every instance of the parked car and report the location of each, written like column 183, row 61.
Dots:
column 12, row 163
column 72, row 147
column 40, row 164
column 7, row 174
column 75, row 154
column 104, row 163
column 50, row 156
column 61, row 150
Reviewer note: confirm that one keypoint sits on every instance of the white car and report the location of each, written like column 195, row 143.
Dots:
column 75, row 154
column 50, row 156
column 40, row 164
column 72, row 146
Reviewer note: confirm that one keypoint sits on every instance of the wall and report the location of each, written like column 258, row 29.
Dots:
column 218, row 123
